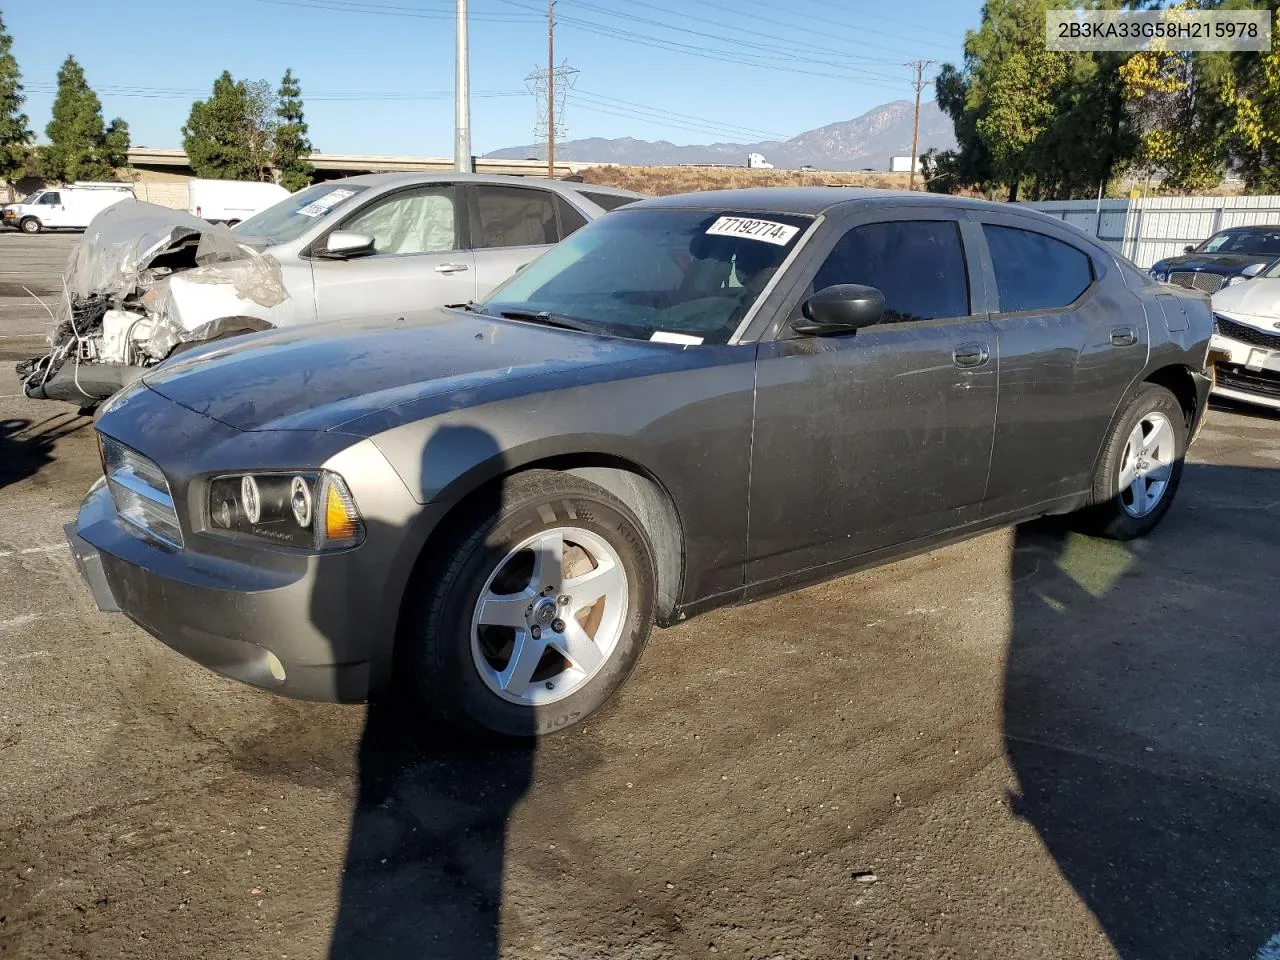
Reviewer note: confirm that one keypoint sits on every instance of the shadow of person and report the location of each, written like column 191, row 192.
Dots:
column 1142, row 717
column 422, row 876
column 26, row 448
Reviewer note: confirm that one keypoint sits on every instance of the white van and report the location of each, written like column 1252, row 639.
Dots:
column 69, row 207
column 230, row 201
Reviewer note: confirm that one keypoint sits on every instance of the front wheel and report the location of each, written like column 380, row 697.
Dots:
column 537, row 613
column 30, row 225
column 1140, row 468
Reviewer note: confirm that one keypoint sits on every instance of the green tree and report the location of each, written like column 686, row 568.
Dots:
column 231, row 135
column 291, row 144
column 15, row 136
column 1250, row 92
column 78, row 147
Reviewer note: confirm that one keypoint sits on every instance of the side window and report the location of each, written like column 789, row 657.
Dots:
column 514, row 217
column 917, row 264
column 51, row 197
column 1035, row 272
column 570, row 219
column 416, row 221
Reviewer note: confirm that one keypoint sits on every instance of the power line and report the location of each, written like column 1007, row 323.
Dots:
column 749, row 44
column 737, row 130
column 842, row 6
column 172, row 93
column 593, row 107
column 386, row 10
column 726, row 56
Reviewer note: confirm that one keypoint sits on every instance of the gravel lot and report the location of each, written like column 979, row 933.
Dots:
column 1028, row 745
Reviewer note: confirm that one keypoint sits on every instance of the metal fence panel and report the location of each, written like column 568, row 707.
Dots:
column 1151, row 228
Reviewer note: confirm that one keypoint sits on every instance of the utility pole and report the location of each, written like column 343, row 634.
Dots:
column 551, row 89
column 462, row 97
column 918, row 83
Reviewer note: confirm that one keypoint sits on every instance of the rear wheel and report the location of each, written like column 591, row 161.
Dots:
column 30, row 225
column 1140, row 468
column 538, row 611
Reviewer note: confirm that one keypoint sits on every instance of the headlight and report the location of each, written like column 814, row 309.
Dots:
column 1232, row 281
column 309, row 509
column 1159, row 275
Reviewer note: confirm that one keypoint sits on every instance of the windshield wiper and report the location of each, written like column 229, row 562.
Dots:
column 550, row 319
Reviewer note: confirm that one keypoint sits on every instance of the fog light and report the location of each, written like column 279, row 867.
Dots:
column 223, row 515
column 249, row 497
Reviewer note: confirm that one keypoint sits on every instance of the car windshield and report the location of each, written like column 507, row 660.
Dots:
column 34, row 197
column 689, row 276
column 295, row 214
column 1262, row 243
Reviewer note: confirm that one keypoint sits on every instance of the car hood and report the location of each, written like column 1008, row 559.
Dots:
column 1257, row 299
column 321, row 376
column 1223, row 263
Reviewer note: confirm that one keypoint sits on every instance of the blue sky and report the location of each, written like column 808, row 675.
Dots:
column 377, row 75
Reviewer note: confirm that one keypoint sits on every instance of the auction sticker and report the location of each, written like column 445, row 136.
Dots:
column 779, row 234
column 326, row 203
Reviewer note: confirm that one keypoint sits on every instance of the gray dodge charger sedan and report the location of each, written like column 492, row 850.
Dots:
column 696, row 401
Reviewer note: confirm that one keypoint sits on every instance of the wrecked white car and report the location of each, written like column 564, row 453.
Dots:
column 146, row 281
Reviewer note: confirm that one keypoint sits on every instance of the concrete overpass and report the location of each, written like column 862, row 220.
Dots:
column 329, row 166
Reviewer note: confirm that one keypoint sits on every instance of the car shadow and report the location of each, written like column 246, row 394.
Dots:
column 424, row 866
column 26, row 448
column 1142, row 717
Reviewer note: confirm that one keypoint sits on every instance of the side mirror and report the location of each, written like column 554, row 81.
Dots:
column 1253, row 269
column 842, row 308
column 1188, row 249
column 345, row 244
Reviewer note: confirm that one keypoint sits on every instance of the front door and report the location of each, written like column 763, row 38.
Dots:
column 53, row 212
column 418, row 260
column 881, row 437
column 1070, row 345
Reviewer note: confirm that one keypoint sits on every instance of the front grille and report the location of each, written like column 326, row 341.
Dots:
column 1198, row 280
column 1247, row 381
column 140, row 492
column 1245, row 333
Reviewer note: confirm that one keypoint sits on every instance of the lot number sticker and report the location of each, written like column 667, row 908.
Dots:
column 779, row 234
column 326, row 203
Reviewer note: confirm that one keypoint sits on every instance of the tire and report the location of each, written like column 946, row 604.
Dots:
column 1138, row 455
column 456, row 652
column 30, row 225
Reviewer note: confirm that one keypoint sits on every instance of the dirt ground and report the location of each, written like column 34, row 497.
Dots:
column 1028, row 745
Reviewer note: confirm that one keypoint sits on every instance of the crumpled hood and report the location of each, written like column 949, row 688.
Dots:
column 1256, row 300
column 321, row 376
column 1220, row 263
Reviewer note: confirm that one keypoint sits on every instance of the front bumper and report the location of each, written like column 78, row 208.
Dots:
column 1245, row 372
column 290, row 630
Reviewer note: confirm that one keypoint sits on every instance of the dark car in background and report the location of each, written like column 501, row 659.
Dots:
column 695, row 401
column 1229, row 256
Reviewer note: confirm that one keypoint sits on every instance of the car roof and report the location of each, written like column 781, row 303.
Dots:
column 1251, row 228
column 810, row 201
column 391, row 180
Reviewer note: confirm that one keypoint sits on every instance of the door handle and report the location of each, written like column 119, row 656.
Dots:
column 971, row 354
column 1124, row 336
column 450, row 267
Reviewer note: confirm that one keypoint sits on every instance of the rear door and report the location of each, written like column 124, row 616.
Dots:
column 419, row 258
column 1071, row 341
column 877, row 438
column 513, row 225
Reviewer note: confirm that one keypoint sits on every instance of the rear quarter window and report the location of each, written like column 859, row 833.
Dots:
column 607, row 201
column 1035, row 271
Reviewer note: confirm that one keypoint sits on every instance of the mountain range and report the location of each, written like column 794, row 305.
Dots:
column 865, row 141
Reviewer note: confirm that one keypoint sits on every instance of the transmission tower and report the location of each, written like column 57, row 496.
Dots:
column 549, row 87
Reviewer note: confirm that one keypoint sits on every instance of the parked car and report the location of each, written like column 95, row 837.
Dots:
column 696, row 401
column 1246, row 332
column 231, row 201
column 148, row 281
column 64, row 208
column 1229, row 256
